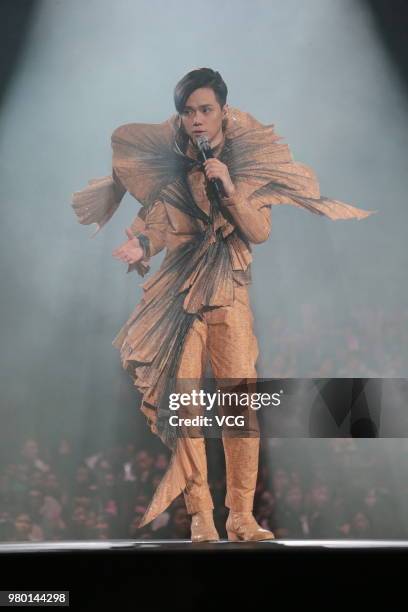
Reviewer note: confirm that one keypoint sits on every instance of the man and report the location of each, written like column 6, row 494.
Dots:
column 197, row 305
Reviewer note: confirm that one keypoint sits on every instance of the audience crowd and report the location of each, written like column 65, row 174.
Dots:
column 307, row 488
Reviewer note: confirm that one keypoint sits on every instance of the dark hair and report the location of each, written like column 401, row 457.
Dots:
column 202, row 77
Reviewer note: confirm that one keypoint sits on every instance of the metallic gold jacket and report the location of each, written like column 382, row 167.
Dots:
column 148, row 161
column 208, row 244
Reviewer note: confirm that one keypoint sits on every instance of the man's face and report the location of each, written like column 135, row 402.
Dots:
column 203, row 115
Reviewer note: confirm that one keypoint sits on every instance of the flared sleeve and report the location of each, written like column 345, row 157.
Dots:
column 143, row 162
column 144, row 159
column 265, row 173
column 98, row 201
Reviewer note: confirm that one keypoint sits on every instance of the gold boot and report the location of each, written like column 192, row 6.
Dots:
column 203, row 528
column 243, row 526
column 197, row 495
column 241, row 462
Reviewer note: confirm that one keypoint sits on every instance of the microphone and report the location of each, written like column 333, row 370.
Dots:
column 206, row 152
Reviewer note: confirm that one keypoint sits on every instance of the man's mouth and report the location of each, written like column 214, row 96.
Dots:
column 198, row 131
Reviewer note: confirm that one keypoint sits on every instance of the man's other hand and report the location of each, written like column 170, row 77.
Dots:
column 130, row 251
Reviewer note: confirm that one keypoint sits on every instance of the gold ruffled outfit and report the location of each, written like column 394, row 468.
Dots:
column 197, row 304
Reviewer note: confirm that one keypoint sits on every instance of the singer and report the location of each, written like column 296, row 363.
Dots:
column 206, row 180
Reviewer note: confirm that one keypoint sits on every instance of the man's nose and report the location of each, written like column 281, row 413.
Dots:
column 197, row 120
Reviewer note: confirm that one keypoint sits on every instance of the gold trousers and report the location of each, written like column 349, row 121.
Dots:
column 225, row 336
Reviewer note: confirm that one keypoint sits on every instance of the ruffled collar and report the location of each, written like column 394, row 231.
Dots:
column 264, row 171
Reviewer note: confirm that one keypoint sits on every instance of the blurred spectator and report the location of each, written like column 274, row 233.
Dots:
column 26, row 530
column 360, row 526
column 64, row 463
column 292, row 522
column 320, row 511
column 31, row 458
column 178, row 526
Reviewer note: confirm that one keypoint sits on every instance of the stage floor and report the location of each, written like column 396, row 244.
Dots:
column 179, row 575
column 187, row 545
